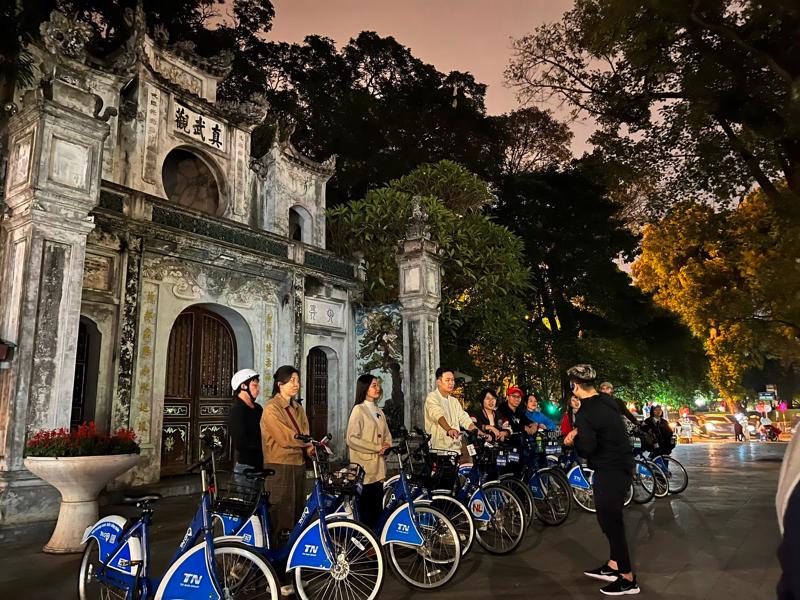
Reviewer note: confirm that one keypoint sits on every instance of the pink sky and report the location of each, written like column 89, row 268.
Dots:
column 464, row 35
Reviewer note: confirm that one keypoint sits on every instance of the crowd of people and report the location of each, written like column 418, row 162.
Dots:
column 593, row 424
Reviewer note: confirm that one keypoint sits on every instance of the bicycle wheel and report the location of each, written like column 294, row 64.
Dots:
column 524, row 495
column 460, row 518
column 505, row 529
column 584, row 497
column 435, row 562
column 555, row 503
column 387, row 496
column 357, row 572
column 677, row 476
column 89, row 588
column 644, row 483
column 629, row 496
column 659, row 478
column 243, row 574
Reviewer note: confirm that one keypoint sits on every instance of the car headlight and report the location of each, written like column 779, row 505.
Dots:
column 711, row 427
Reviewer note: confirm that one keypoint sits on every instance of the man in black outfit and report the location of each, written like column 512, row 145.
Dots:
column 244, row 424
column 600, row 437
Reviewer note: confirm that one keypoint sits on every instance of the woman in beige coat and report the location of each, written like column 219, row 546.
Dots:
column 368, row 438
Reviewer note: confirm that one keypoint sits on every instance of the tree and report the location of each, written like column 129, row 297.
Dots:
column 582, row 307
column 379, row 108
column 699, row 98
column 732, row 276
column 382, row 349
column 484, row 275
column 533, row 140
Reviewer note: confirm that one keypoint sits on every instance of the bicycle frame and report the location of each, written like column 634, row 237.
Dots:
column 126, row 560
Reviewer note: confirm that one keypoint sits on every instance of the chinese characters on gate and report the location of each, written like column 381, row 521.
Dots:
column 199, row 127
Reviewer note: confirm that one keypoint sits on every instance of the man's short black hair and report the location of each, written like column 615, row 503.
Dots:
column 442, row 370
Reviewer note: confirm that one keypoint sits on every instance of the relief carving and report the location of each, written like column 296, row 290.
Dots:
column 191, row 281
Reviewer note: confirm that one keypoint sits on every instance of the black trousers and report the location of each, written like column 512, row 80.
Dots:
column 370, row 504
column 610, row 488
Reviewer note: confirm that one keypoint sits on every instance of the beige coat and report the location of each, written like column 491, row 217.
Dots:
column 277, row 432
column 365, row 437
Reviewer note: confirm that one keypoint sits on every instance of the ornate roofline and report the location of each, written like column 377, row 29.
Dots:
column 292, row 154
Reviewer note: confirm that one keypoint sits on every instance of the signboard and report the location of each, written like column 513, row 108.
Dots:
column 199, row 127
column 766, row 396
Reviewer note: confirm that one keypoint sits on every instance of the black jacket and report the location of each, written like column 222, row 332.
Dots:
column 602, row 438
column 516, row 419
column 244, row 424
column 662, row 432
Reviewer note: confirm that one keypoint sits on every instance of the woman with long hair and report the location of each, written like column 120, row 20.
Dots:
column 568, row 420
column 282, row 420
column 368, row 437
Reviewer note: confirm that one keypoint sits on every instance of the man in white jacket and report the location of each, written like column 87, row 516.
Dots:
column 444, row 415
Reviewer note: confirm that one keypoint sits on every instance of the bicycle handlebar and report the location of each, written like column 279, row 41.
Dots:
column 309, row 440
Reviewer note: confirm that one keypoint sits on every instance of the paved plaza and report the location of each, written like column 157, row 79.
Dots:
column 717, row 540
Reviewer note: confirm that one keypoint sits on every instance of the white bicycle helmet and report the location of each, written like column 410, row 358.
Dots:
column 242, row 376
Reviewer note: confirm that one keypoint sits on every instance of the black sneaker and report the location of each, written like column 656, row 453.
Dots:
column 604, row 573
column 621, row 587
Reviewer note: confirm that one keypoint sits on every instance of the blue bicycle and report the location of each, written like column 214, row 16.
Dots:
column 423, row 545
column 546, row 487
column 331, row 555
column 496, row 510
column 432, row 476
column 116, row 561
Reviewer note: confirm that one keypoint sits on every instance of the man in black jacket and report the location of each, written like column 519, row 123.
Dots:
column 244, row 424
column 600, row 437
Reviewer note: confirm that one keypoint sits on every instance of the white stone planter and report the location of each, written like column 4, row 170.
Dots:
column 79, row 479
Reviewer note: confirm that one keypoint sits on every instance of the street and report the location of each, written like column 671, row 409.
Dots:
column 717, row 540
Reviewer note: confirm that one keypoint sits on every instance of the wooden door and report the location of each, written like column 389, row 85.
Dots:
column 201, row 359
column 317, row 384
column 78, row 415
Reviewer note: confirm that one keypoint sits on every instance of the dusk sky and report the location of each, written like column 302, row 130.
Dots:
column 464, row 35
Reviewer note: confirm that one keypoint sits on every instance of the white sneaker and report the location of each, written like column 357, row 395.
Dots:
column 287, row 591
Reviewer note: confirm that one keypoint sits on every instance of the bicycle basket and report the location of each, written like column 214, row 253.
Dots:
column 234, row 494
column 444, row 469
column 346, row 479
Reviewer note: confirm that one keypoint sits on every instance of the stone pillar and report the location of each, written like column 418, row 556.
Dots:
column 420, row 295
column 53, row 183
column 299, row 302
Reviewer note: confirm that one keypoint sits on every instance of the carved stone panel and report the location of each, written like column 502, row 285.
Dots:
column 98, row 272
column 70, row 163
column 324, row 313
column 152, row 109
column 19, row 164
column 199, row 127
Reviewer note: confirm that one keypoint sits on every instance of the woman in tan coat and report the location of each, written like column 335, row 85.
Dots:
column 282, row 419
column 368, row 438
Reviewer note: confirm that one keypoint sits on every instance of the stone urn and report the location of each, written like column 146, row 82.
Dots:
column 80, row 479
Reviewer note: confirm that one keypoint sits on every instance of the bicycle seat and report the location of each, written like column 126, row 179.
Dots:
column 259, row 473
column 143, row 498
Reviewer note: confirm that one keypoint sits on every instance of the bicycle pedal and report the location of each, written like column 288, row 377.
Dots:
column 433, row 573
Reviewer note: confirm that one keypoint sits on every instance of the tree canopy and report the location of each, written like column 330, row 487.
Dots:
column 485, row 277
column 732, row 276
column 696, row 99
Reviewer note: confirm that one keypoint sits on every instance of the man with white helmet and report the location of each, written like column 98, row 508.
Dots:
column 244, row 423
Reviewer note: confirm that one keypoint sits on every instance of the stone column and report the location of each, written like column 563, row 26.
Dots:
column 420, row 295
column 53, row 183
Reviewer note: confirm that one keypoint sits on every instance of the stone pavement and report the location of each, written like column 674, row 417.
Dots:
column 718, row 540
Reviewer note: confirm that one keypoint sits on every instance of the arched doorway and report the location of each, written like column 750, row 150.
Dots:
column 87, row 366
column 201, row 359
column 317, row 392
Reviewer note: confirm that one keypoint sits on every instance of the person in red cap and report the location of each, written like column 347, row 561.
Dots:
column 513, row 412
